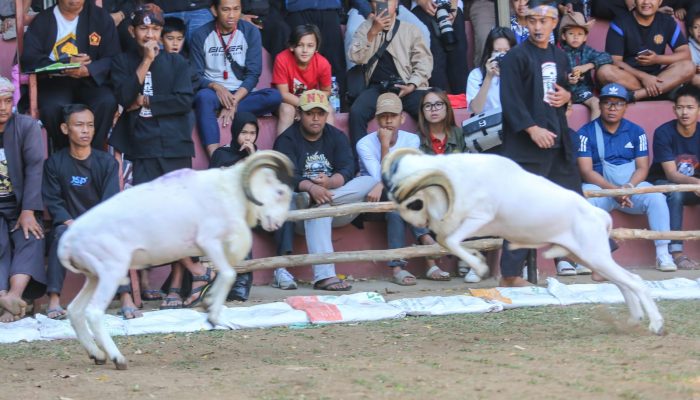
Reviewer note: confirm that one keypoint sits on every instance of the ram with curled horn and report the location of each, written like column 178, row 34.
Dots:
column 184, row 213
column 461, row 196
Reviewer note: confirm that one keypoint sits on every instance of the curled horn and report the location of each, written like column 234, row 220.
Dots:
column 390, row 163
column 425, row 179
column 274, row 160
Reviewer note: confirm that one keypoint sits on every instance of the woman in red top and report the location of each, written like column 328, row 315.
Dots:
column 299, row 69
column 436, row 124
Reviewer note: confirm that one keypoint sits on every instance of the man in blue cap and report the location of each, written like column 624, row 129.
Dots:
column 613, row 154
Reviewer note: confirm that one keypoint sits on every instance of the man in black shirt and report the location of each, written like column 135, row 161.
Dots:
column 533, row 91
column 76, row 179
column 325, row 174
column 637, row 42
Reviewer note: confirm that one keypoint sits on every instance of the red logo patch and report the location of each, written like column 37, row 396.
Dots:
column 95, row 39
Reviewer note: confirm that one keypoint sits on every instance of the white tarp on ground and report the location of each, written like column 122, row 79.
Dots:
column 366, row 306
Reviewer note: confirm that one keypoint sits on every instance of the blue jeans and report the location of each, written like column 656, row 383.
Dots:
column 193, row 20
column 676, row 201
column 396, row 235
column 207, row 105
column 651, row 204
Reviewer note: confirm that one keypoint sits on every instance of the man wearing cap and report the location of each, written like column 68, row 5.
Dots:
column 74, row 31
column 637, row 42
column 22, row 272
column 227, row 54
column 371, row 150
column 155, row 132
column 613, row 154
column 534, row 91
column 325, row 175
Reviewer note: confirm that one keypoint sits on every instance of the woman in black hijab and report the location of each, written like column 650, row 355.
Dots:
column 244, row 134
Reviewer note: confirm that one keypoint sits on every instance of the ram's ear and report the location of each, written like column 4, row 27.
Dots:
column 437, row 202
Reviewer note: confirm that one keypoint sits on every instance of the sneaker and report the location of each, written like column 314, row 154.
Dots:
column 565, row 268
column 582, row 270
column 665, row 263
column 282, row 279
column 472, row 277
column 462, row 268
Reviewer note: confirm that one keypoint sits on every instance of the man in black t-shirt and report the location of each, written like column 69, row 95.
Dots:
column 76, row 179
column 324, row 173
column 637, row 42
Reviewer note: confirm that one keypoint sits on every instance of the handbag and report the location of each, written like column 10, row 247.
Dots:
column 483, row 131
column 355, row 78
column 615, row 174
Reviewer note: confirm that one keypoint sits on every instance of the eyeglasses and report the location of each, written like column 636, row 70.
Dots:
column 611, row 104
column 437, row 106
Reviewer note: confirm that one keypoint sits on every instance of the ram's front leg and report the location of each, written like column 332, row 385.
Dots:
column 452, row 242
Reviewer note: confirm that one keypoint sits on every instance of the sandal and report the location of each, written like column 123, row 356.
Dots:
column 684, row 262
column 401, row 277
column 202, row 290
column 151, row 295
column 329, row 283
column 172, row 303
column 135, row 312
column 59, row 313
column 440, row 276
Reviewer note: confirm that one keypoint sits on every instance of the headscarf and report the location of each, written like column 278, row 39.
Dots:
column 6, row 87
column 227, row 156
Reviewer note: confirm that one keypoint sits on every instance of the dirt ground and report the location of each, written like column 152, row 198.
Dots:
column 583, row 352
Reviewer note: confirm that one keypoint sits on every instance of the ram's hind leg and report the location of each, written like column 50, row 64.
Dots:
column 453, row 242
column 77, row 317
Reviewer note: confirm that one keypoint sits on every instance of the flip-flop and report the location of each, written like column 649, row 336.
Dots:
column 327, row 286
column 129, row 310
column 442, row 276
column 400, row 278
column 151, row 294
column 169, row 299
column 61, row 313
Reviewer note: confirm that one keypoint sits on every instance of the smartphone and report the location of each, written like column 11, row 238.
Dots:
column 645, row 52
column 381, row 6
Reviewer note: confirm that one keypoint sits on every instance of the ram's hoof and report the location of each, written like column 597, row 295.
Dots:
column 98, row 361
column 121, row 364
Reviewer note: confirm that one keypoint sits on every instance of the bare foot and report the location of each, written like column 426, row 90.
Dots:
column 7, row 316
column 129, row 309
column 513, row 281
column 13, row 304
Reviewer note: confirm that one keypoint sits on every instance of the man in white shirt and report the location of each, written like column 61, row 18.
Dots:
column 371, row 149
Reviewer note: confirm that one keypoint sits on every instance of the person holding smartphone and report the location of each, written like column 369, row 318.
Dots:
column 637, row 42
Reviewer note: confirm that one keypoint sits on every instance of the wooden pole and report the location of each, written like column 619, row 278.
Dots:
column 641, row 190
column 431, row 250
column 361, row 256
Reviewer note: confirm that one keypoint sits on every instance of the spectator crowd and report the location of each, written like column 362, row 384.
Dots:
column 135, row 78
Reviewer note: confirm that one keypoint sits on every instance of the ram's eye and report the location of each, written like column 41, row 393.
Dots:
column 415, row 205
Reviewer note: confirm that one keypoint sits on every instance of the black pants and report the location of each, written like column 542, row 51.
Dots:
column 328, row 22
column 554, row 166
column 450, row 69
column 275, row 32
column 363, row 108
column 54, row 93
column 608, row 9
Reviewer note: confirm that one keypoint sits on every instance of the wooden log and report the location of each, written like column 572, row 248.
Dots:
column 337, row 211
column 362, row 255
column 641, row 190
column 625, row 234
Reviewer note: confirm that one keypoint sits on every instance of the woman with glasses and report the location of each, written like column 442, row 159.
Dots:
column 484, row 82
column 436, row 124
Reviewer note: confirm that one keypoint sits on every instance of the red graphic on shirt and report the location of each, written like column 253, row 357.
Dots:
column 688, row 165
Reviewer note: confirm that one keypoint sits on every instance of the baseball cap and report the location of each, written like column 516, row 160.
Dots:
column 614, row 90
column 314, row 99
column 147, row 14
column 389, row 103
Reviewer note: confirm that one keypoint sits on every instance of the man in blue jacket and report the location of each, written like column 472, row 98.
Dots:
column 227, row 53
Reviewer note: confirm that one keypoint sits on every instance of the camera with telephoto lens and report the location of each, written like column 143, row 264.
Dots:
column 389, row 85
column 447, row 32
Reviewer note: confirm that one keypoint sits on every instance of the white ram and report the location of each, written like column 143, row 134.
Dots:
column 460, row 196
column 181, row 214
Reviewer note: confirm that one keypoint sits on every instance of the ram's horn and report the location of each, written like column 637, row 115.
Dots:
column 422, row 180
column 278, row 162
column 390, row 164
